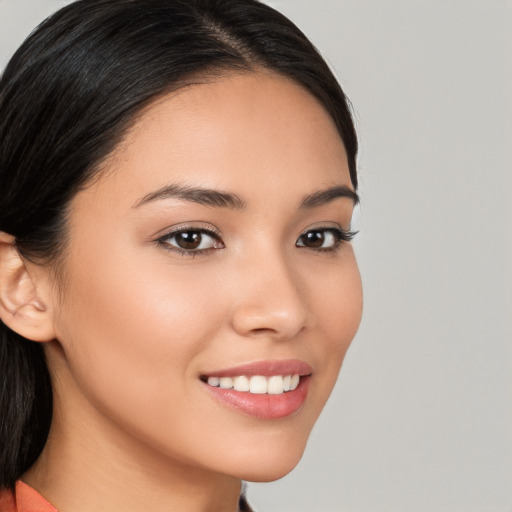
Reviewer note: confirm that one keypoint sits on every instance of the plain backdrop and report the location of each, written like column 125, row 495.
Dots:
column 421, row 418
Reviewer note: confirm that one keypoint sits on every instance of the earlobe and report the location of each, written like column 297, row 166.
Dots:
column 23, row 307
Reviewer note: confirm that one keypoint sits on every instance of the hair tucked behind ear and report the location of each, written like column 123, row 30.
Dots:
column 67, row 97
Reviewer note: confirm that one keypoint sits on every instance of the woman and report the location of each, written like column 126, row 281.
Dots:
column 177, row 286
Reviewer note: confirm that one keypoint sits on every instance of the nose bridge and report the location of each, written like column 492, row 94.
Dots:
column 271, row 299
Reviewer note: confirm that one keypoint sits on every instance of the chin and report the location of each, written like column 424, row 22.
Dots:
column 267, row 467
column 268, row 476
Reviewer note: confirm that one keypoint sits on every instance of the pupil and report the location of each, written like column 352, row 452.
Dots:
column 314, row 239
column 188, row 239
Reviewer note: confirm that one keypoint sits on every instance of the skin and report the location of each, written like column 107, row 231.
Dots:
column 135, row 324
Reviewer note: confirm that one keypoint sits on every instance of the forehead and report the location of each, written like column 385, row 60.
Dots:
column 229, row 132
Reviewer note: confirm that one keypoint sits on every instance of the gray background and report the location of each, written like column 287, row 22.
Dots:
column 421, row 418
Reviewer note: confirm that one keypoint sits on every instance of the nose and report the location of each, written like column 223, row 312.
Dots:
column 270, row 299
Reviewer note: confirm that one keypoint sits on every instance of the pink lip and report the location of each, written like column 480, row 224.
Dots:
column 265, row 407
column 265, row 369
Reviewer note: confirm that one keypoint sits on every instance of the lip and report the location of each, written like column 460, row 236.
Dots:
column 263, row 406
column 265, row 369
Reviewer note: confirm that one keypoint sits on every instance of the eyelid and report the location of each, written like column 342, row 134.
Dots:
column 323, row 225
column 348, row 234
column 192, row 226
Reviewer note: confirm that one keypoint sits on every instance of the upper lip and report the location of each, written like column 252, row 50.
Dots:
column 265, row 369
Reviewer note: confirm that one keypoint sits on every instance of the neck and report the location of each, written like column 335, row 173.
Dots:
column 72, row 481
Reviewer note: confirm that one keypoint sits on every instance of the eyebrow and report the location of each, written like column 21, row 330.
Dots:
column 204, row 196
column 327, row 195
column 216, row 198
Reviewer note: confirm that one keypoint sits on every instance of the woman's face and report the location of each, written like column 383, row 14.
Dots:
column 210, row 251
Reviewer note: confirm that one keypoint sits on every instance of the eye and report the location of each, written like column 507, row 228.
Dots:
column 324, row 239
column 191, row 240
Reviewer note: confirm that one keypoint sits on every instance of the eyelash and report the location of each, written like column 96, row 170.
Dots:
column 340, row 237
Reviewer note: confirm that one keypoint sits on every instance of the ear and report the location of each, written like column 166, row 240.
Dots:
column 24, row 307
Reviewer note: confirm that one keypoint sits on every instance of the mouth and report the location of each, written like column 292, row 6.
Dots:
column 265, row 390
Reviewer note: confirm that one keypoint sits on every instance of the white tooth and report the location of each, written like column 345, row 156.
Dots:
column 213, row 381
column 275, row 385
column 241, row 383
column 226, row 382
column 295, row 382
column 287, row 383
column 258, row 384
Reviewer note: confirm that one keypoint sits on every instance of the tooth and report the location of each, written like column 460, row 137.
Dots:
column 275, row 385
column 258, row 384
column 226, row 382
column 241, row 383
column 213, row 381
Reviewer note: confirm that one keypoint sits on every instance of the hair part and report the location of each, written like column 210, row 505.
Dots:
column 68, row 96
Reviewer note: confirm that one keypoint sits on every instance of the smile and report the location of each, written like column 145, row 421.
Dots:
column 267, row 390
column 257, row 384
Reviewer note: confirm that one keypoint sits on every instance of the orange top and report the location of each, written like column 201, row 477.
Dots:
column 25, row 499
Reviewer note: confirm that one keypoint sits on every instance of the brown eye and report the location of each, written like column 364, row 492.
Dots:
column 320, row 239
column 191, row 240
column 188, row 239
column 313, row 239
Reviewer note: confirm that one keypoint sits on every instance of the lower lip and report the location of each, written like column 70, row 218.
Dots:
column 264, row 406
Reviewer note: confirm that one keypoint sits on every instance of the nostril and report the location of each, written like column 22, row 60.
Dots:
column 262, row 331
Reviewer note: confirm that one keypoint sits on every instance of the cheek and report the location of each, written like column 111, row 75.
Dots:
column 337, row 301
column 342, row 306
column 131, row 328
